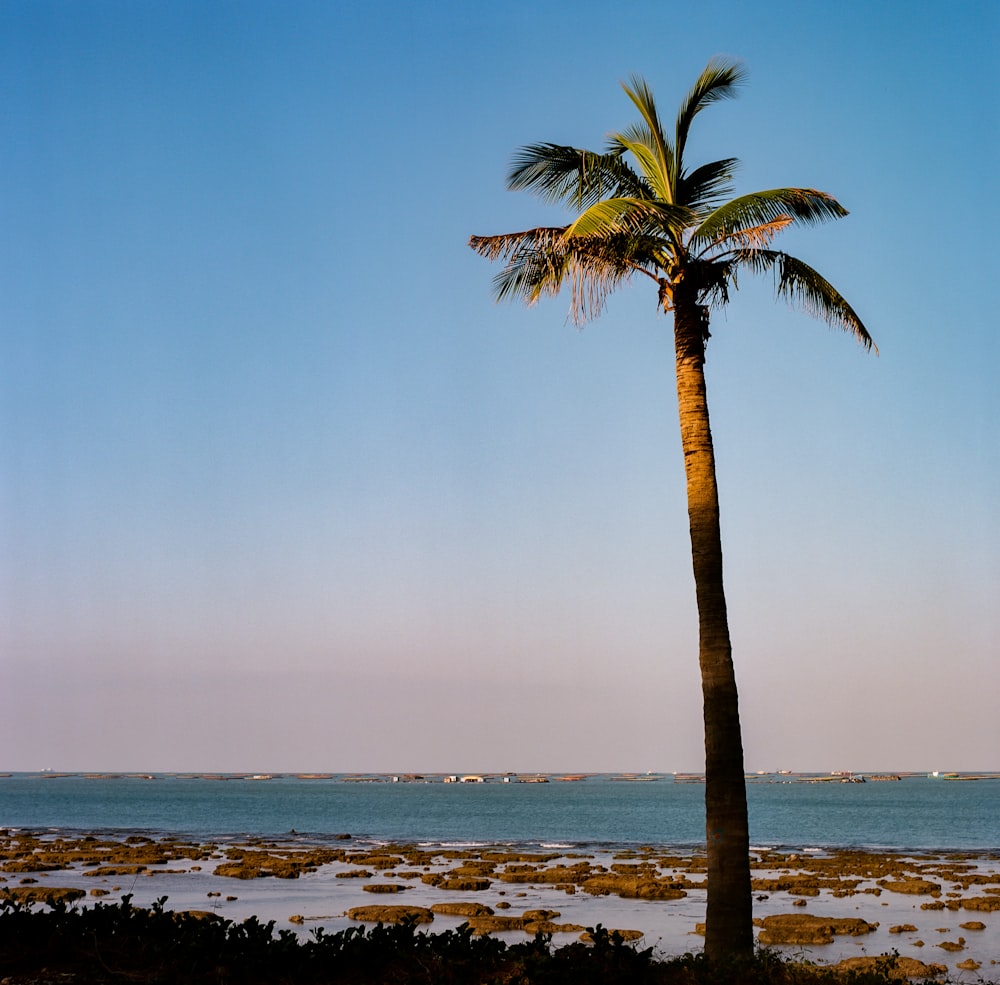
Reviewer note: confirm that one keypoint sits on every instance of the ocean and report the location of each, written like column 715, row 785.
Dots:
column 914, row 813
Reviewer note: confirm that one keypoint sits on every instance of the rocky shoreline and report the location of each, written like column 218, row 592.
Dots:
column 825, row 905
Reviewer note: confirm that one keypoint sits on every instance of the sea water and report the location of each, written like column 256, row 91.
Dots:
column 915, row 813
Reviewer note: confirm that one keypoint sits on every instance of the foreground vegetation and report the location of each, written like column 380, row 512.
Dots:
column 115, row 943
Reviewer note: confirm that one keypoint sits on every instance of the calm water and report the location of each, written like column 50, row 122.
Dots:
column 914, row 813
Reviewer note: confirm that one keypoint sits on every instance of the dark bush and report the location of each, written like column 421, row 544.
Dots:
column 121, row 943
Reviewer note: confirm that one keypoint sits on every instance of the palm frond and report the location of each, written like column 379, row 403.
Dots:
column 571, row 175
column 708, row 184
column 632, row 217
column 719, row 80
column 803, row 205
column 805, row 287
column 637, row 141
column 611, row 216
column 666, row 156
column 753, row 238
column 539, row 262
column 504, row 245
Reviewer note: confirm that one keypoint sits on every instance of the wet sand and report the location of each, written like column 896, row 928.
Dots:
column 941, row 909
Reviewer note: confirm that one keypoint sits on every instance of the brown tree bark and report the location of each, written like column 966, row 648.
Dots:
column 729, row 926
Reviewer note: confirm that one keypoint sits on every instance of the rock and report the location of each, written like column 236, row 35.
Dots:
column 390, row 914
column 625, row 935
column 258, row 865
column 968, row 965
column 467, row 884
column 632, row 887
column 958, row 945
column 983, row 903
column 489, row 924
column 462, row 909
column 472, row 867
column 973, row 925
column 116, row 870
column 548, row 927
column 902, row 928
column 382, row 861
column 355, row 874
column 97, row 891
column 901, row 968
column 296, row 918
column 914, row 887
column 237, row 870
column 31, row 864
column 42, row 894
column 803, row 928
column 535, row 915
column 556, row 873
column 384, row 887
column 786, row 884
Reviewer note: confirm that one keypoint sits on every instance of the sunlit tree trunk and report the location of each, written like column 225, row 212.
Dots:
column 729, row 927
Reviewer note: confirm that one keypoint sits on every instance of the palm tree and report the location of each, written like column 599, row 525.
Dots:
column 680, row 227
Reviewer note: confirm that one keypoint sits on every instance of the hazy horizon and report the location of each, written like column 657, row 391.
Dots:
column 281, row 484
column 438, row 772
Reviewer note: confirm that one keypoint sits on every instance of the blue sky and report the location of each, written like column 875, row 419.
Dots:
column 282, row 488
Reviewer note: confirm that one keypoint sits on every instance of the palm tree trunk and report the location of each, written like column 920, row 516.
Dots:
column 729, row 927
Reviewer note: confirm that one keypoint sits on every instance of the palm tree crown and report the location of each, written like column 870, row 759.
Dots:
column 659, row 218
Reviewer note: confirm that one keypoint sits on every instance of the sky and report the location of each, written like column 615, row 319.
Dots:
column 283, row 488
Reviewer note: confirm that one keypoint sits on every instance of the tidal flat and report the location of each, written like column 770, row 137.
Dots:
column 939, row 911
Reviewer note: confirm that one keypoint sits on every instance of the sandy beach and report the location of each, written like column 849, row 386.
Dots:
column 940, row 910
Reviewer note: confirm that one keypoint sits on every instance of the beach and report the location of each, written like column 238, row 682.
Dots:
column 827, row 906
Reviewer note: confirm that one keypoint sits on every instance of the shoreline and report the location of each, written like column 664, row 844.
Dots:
column 941, row 908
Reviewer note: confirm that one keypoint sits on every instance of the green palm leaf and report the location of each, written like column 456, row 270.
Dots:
column 801, row 205
column 662, row 157
column 707, row 184
column 805, row 287
column 719, row 80
column 572, row 176
column 650, row 165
